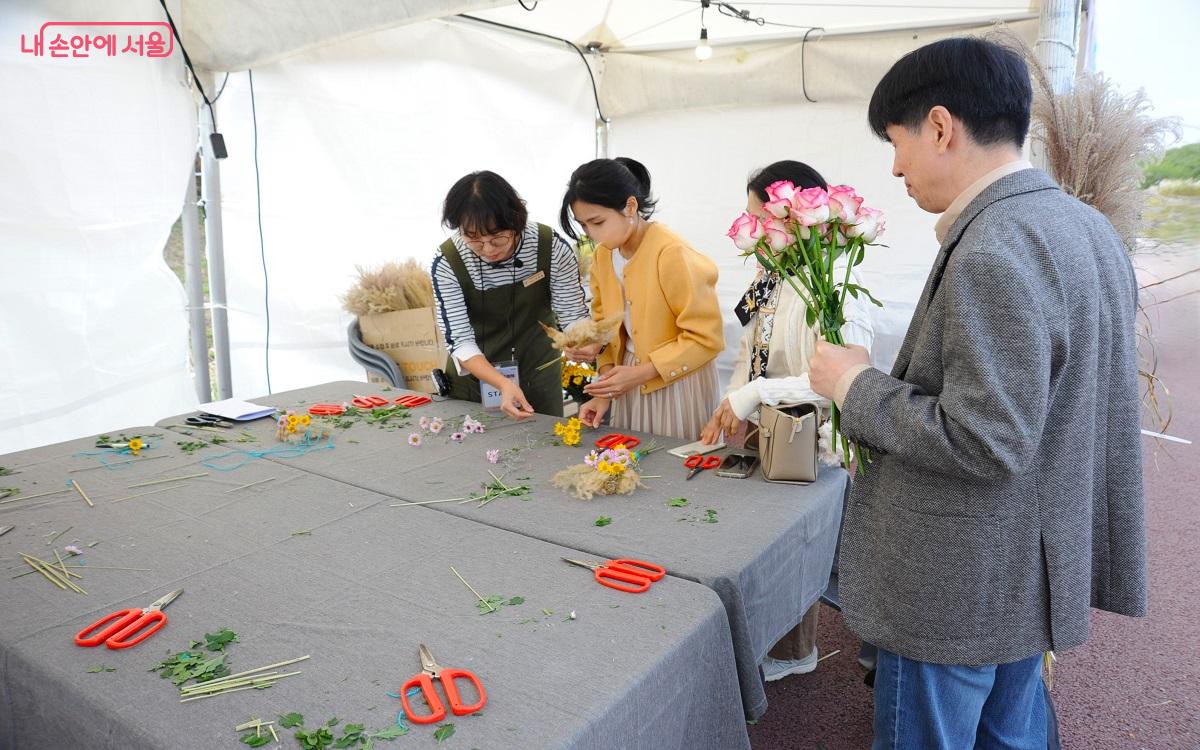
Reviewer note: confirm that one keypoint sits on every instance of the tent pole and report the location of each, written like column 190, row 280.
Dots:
column 1057, row 46
column 215, row 247
column 603, row 131
column 193, row 283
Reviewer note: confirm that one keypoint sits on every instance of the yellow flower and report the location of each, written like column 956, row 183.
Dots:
column 619, row 447
column 574, row 424
column 571, row 437
column 559, row 428
column 135, row 446
column 305, row 419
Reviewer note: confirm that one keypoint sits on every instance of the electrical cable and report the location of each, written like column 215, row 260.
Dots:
column 262, row 249
column 569, row 43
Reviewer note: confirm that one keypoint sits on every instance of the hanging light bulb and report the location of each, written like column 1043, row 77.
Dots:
column 703, row 51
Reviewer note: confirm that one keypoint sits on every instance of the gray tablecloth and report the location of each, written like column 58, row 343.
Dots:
column 358, row 592
column 768, row 556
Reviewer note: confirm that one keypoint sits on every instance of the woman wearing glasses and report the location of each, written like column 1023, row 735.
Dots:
column 493, row 281
column 658, row 375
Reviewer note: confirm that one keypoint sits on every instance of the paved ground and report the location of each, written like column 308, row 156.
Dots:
column 1136, row 684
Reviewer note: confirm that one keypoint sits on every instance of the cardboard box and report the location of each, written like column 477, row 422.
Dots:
column 411, row 338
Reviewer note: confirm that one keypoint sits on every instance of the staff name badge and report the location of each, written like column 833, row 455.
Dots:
column 534, row 279
column 491, row 394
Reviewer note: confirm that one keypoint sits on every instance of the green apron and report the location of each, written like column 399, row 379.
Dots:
column 506, row 318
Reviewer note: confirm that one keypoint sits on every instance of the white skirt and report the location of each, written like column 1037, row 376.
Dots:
column 680, row 410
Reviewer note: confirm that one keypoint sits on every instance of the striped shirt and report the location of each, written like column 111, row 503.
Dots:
column 566, row 292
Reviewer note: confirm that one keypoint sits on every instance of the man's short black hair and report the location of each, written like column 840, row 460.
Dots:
column 484, row 203
column 981, row 83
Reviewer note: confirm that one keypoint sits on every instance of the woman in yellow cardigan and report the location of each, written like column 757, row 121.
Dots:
column 659, row 374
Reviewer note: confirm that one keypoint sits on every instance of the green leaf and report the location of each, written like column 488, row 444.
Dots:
column 332, row 722
column 444, row 732
column 287, row 721
column 101, row 668
column 389, row 733
column 603, row 521
column 678, row 502
column 219, row 640
column 256, row 740
column 710, row 516
column 490, row 605
column 516, row 600
column 810, row 315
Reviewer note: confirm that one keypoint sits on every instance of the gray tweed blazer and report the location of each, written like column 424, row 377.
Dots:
column 1005, row 495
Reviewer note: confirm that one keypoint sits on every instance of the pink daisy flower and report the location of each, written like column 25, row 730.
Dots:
column 435, row 425
column 414, row 439
column 493, row 456
column 457, row 437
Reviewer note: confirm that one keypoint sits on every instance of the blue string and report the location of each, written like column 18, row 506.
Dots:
column 310, row 443
column 400, row 714
column 121, row 465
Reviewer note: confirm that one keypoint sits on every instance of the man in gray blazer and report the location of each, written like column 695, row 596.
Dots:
column 1004, row 497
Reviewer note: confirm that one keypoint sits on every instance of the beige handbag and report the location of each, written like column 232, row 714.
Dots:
column 787, row 442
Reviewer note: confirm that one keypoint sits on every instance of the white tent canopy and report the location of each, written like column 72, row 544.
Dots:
column 346, row 123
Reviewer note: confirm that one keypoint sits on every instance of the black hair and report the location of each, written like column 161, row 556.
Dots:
column 608, row 183
column 796, row 172
column 484, row 203
column 984, row 84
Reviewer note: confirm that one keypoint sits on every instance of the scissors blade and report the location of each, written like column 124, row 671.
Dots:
column 581, row 563
column 166, row 599
column 428, row 665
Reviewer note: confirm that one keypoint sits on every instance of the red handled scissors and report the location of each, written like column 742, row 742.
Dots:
column 616, row 573
column 368, row 402
column 127, row 622
column 431, row 670
column 412, row 400
column 698, row 463
column 615, row 438
column 326, row 410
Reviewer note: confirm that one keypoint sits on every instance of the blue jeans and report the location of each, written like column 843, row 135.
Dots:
column 924, row 706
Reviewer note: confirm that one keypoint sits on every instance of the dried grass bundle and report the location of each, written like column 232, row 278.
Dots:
column 585, row 482
column 391, row 287
column 1095, row 139
column 583, row 333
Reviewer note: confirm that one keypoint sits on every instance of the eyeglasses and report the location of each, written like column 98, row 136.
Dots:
column 494, row 242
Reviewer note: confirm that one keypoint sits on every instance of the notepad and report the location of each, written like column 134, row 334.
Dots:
column 237, row 410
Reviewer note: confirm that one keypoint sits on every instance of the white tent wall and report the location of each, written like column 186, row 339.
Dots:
column 701, row 156
column 94, row 157
column 358, row 142
column 699, row 161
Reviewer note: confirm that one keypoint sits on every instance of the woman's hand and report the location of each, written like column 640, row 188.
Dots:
column 723, row 420
column 584, row 353
column 620, row 379
column 513, row 401
column 593, row 411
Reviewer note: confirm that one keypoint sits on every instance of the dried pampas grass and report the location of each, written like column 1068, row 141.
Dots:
column 583, row 333
column 391, row 287
column 1095, row 142
column 1095, row 139
column 585, row 482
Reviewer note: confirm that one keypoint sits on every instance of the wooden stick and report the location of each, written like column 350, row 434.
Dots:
column 63, row 566
column 172, row 479
column 31, row 497
column 252, row 724
column 244, row 486
column 115, row 463
column 54, row 571
column 205, row 687
column 44, row 574
column 262, row 682
column 47, row 570
column 82, row 494
column 226, row 678
column 473, row 591
column 91, row 567
column 431, row 502
column 143, row 494
column 273, row 732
